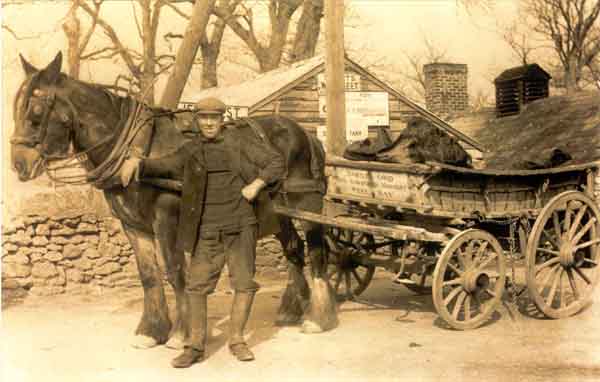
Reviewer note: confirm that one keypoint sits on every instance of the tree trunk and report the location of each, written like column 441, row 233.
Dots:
column 187, row 53
column 307, row 32
column 72, row 29
column 571, row 80
column 210, row 53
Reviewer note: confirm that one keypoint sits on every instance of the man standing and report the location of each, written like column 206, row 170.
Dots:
column 221, row 176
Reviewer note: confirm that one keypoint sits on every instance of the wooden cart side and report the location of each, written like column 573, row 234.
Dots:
column 448, row 191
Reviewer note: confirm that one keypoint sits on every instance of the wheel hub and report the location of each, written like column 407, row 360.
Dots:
column 475, row 280
column 566, row 255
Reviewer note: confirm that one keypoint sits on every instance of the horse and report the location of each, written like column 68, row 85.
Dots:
column 58, row 117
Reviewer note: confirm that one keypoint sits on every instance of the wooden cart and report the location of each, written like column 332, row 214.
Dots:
column 451, row 231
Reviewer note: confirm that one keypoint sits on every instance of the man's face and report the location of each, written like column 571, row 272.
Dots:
column 209, row 124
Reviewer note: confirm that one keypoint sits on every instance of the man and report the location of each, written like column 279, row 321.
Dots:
column 221, row 176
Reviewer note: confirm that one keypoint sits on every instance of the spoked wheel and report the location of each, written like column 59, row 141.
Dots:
column 562, row 254
column 347, row 275
column 469, row 278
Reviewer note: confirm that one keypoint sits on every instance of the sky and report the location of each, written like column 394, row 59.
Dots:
column 387, row 29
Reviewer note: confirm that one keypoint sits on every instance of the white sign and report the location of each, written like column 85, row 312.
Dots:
column 356, row 128
column 363, row 109
column 235, row 112
column 352, row 82
column 373, row 106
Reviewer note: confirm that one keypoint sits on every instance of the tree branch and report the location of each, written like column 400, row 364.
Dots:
column 137, row 21
column 177, row 10
column 110, row 32
column 90, row 32
column 17, row 37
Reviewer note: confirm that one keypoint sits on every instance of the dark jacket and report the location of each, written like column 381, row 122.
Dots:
column 250, row 159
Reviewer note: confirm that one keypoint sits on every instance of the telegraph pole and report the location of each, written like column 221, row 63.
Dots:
column 334, row 77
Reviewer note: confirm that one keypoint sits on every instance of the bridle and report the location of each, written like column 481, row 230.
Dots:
column 38, row 141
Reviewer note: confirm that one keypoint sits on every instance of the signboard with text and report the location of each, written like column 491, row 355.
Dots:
column 363, row 109
column 351, row 82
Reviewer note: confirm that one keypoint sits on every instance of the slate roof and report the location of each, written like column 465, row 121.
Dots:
column 523, row 71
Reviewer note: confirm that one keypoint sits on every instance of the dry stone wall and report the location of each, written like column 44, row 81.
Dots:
column 83, row 253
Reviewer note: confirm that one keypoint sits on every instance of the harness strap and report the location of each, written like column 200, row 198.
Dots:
column 257, row 129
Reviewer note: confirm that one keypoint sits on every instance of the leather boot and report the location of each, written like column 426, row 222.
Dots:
column 240, row 311
column 194, row 349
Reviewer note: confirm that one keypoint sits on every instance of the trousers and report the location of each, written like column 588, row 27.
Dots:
column 213, row 251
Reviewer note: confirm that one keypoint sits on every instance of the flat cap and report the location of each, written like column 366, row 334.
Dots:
column 210, row 105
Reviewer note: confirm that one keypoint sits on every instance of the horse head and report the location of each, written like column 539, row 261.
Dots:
column 43, row 120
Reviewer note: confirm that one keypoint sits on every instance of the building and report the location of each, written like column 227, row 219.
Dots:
column 298, row 91
column 519, row 86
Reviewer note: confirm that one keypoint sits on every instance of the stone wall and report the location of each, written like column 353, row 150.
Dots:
column 83, row 253
column 446, row 90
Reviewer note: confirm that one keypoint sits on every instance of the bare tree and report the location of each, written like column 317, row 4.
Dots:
column 572, row 27
column 194, row 37
column 77, row 40
column 307, row 30
column 143, row 66
column 520, row 41
column 431, row 53
column 240, row 18
column 242, row 23
column 210, row 47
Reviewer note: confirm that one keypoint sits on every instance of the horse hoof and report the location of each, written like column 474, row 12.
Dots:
column 143, row 342
column 309, row 327
column 176, row 343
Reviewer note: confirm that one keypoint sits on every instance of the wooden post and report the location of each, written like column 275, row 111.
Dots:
column 334, row 77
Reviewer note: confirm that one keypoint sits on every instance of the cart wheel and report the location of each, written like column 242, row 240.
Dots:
column 469, row 278
column 562, row 254
column 347, row 275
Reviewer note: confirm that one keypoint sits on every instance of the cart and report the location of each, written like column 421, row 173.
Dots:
column 457, row 233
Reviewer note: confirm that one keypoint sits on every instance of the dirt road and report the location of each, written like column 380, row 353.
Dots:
column 390, row 335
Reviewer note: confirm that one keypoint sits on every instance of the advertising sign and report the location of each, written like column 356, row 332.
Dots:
column 363, row 109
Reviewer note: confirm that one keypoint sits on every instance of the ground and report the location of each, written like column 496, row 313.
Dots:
column 390, row 334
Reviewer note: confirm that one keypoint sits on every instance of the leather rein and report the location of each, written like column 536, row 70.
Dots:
column 67, row 161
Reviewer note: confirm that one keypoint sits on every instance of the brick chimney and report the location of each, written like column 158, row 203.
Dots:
column 446, row 89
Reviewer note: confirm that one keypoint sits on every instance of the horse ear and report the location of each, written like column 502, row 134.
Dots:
column 51, row 72
column 27, row 67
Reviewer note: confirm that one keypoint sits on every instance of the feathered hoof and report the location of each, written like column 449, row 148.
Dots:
column 175, row 342
column 288, row 320
column 311, row 327
column 143, row 342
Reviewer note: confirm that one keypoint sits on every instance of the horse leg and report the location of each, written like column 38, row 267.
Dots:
column 154, row 325
column 296, row 294
column 322, row 311
column 165, row 236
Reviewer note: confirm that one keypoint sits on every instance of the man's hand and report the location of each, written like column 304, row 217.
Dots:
column 250, row 192
column 130, row 169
